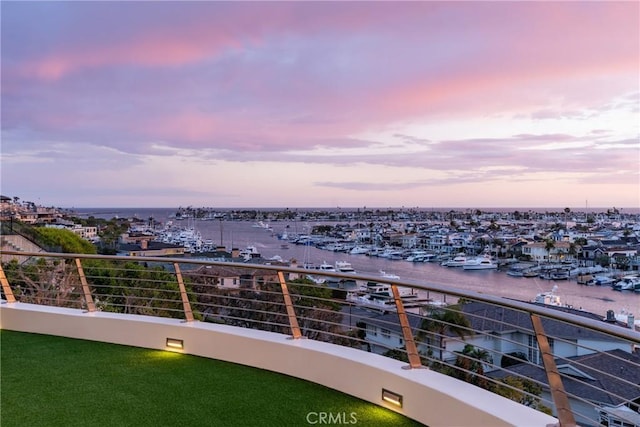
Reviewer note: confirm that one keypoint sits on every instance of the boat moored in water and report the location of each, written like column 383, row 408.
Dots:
column 457, row 261
column 480, row 263
column 548, row 298
column 344, row 267
column 627, row 283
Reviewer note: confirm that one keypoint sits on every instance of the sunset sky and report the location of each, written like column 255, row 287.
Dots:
column 321, row 104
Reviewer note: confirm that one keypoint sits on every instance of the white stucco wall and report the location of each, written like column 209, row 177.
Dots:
column 429, row 397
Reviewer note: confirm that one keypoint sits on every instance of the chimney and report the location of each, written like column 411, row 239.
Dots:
column 235, row 253
column 144, row 244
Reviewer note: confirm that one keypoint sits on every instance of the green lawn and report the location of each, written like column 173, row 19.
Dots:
column 53, row 381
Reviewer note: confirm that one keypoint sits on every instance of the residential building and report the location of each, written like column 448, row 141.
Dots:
column 596, row 383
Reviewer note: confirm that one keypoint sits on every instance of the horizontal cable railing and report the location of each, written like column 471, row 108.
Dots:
column 563, row 362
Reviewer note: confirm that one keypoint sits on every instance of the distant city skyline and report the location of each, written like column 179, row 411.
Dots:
column 321, row 104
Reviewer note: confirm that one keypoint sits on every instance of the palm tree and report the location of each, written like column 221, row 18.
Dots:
column 549, row 245
column 471, row 361
column 441, row 323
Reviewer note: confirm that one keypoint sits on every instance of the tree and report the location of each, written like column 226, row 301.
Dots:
column 471, row 362
column 319, row 317
column 45, row 282
column 581, row 241
column 513, row 358
column 443, row 322
column 401, row 355
column 64, row 240
column 498, row 244
column 523, row 391
column 111, row 231
column 549, row 245
column 622, row 262
column 135, row 288
column 603, row 260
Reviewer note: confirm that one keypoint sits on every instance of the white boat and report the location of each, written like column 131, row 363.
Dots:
column 386, row 275
column 249, row 252
column 560, row 275
column 389, row 253
column 430, row 257
column 262, row 225
column 548, row 298
column 516, row 271
column 555, row 274
column 344, row 267
column 457, row 261
column 628, row 283
column 325, row 266
column 360, row 250
column 420, row 256
column 604, row 280
column 480, row 263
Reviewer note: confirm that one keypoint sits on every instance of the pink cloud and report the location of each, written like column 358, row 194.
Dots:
column 271, row 77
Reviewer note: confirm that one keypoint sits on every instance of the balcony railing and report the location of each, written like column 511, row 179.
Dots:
column 578, row 367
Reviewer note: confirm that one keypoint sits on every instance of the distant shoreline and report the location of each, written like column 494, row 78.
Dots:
column 115, row 210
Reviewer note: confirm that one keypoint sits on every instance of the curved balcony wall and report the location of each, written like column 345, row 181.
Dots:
column 262, row 316
column 429, row 397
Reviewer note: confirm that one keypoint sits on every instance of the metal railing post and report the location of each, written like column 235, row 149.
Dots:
column 85, row 286
column 407, row 334
column 560, row 398
column 188, row 314
column 6, row 288
column 293, row 320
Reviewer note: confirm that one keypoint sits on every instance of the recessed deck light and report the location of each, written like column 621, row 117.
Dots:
column 175, row 343
column 391, row 397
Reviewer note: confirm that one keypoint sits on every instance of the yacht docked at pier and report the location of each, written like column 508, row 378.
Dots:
column 484, row 262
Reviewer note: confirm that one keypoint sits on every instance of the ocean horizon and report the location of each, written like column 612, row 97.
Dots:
column 103, row 210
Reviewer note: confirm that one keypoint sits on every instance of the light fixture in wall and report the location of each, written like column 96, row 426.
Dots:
column 391, row 397
column 175, row 343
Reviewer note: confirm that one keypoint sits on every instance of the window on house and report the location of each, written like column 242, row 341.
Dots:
column 534, row 353
column 385, row 333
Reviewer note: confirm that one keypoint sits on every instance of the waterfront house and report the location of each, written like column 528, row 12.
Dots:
column 384, row 333
column 504, row 331
column 409, row 240
column 87, row 233
column 221, row 277
column 499, row 331
column 542, row 252
column 596, row 384
column 234, row 278
column 619, row 415
column 150, row 248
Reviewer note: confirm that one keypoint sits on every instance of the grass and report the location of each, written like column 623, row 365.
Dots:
column 54, row 381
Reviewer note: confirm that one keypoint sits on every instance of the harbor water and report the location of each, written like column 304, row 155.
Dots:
column 595, row 299
column 241, row 234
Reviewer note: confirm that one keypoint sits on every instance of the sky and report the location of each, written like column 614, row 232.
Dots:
column 321, row 104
